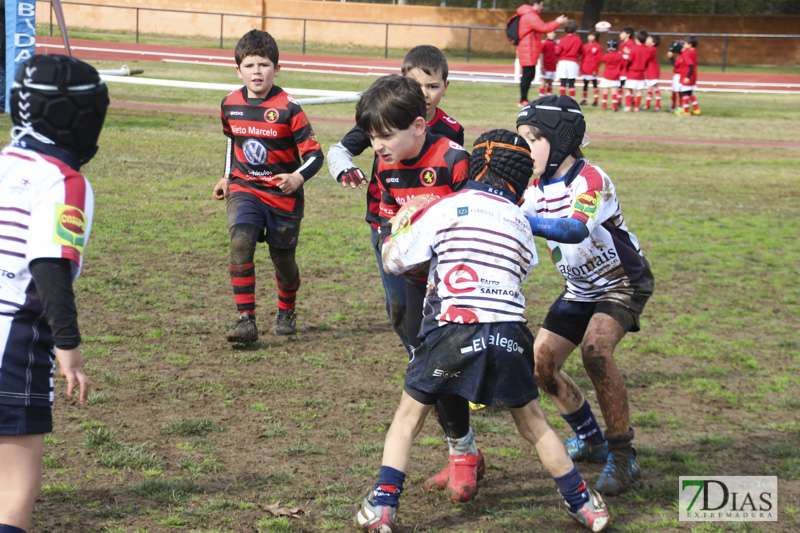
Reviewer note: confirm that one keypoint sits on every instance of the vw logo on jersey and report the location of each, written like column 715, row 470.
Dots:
column 254, row 152
column 428, row 177
column 271, row 115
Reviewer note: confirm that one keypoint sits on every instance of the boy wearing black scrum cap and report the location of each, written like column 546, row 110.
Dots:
column 607, row 284
column 476, row 343
column 58, row 106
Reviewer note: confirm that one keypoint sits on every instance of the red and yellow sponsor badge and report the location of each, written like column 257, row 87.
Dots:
column 70, row 227
column 587, row 203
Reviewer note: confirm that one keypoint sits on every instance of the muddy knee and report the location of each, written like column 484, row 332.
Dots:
column 544, row 372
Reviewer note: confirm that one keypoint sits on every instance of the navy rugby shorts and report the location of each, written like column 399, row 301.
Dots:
column 30, row 420
column 281, row 231
column 489, row 364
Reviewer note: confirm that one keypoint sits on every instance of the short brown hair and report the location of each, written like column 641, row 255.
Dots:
column 393, row 101
column 427, row 58
column 257, row 43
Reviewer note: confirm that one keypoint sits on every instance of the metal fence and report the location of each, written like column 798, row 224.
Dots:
column 303, row 38
column 687, row 7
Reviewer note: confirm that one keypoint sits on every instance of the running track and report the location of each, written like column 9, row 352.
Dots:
column 485, row 72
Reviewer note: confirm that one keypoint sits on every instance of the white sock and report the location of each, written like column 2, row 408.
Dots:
column 463, row 446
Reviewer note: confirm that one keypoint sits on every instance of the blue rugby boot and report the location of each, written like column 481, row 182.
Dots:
column 583, row 451
column 620, row 473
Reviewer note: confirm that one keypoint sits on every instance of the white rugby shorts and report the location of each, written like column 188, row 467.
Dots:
column 607, row 84
column 634, row 85
column 567, row 70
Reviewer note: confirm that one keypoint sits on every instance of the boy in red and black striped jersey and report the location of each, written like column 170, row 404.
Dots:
column 428, row 65
column 272, row 151
column 412, row 161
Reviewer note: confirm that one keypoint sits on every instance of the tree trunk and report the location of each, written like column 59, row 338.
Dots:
column 592, row 9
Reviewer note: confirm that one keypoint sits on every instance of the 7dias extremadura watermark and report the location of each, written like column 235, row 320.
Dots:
column 728, row 498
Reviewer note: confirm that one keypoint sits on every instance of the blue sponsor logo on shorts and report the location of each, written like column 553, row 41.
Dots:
column 462, row 211
column 254, row 152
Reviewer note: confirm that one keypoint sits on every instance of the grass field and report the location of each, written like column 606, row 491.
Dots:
column 184, row 432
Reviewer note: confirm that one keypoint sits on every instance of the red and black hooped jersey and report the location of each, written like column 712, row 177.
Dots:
column 441, row 168
column 266, row 138
column 356, row 141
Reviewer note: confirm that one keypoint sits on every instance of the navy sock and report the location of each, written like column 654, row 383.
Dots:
column 5, row 528
column 573, row 489
column 389, row 486
column 584, row 424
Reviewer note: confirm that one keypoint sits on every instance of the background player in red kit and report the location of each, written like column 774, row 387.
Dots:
column 688, row 78
column 268, row 134
column 610, row 81
column 591, row 55
column 549, row 64
column 652, row 73
column 58, row 106
column 568, row 50
column 637, row 63
column 626, row 44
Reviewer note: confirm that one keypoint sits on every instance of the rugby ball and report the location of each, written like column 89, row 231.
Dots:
column 403, row 216
column 602, row 26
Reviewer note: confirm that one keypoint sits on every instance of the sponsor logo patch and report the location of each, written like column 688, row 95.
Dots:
column 70, row 227
column 461, row 279
column 428, row 177
column 462, row 211
column 587, row 203
column 271, row 115
column 254, row 152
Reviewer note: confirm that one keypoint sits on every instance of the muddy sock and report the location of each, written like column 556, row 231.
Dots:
column 389, row 486
column 584, row 424
column 243, row 279
column 464, row 445
column 621, row 445
column 573, row 489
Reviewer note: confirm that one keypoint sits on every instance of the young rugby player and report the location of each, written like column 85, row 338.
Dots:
column 608, row 283
column 428, row 65
column 610, row 81
column 568, row 50
column 652, row 73
column 476, row 344
column 626, row 44
column 267, row 135
column 675, row 57
column 688, row 78
column 549, row 64
column 58, row 106
column 637, row 64
column 591, row 55
column 414, row 161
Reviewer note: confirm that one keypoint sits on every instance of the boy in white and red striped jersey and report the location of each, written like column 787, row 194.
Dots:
column 476, row 343
column 58, row 106
column 607, row 284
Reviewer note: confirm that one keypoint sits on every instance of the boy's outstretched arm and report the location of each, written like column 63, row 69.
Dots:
column 566, row 230
column 340, row 158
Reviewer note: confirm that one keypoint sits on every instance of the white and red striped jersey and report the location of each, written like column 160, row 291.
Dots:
column 609, row 260
column 480, row 249
column 46, row 211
